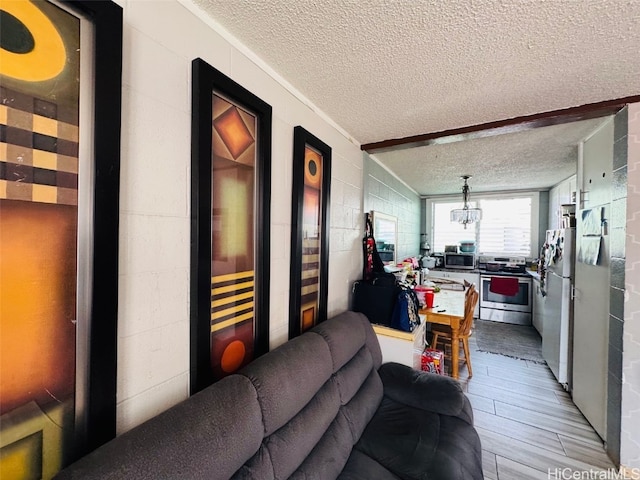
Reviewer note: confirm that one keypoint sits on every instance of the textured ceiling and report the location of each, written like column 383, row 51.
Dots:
column 386, row 69
column 549, row 155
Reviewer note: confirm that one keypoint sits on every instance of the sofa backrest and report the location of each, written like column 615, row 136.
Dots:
column 295, row 412
column 317, row 393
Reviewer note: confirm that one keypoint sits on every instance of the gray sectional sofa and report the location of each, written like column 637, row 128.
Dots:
column 321, row 406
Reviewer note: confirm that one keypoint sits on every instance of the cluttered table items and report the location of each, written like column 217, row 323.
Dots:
column 448, row 309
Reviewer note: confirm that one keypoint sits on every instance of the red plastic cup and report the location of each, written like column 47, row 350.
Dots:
column 421, row 290
column 428, row 297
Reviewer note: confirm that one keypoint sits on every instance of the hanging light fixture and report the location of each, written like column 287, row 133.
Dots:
column 465, row 215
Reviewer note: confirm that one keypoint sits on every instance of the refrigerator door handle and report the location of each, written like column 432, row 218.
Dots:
column 573, row 292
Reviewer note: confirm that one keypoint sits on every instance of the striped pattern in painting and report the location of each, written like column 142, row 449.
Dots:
column 310, row 272
column 232, row 299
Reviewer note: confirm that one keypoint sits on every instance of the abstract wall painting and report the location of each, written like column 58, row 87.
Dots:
column 49, row 216
column 231, row 177
column 309, row 232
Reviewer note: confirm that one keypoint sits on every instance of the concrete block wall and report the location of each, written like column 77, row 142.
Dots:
column 383, row 192
column 161, row 38
column 630, row 391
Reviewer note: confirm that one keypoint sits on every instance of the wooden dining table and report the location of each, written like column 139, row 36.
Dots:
column 448, row 309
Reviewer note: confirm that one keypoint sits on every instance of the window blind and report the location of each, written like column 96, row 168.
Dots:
column 505, row 228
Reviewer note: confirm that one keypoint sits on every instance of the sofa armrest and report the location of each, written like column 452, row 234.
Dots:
column 426, row 391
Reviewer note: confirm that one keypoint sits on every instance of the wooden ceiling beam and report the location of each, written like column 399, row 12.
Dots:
column 499, row 127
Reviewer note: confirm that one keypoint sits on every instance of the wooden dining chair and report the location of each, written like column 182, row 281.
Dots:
column 442, row 332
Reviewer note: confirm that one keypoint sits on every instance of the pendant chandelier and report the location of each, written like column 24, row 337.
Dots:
column 465, row 215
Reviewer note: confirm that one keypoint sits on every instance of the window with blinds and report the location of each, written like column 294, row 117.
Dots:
column 505, row 228
column 446, row 232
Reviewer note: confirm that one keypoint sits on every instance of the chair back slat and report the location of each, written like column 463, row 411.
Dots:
column 470, row 301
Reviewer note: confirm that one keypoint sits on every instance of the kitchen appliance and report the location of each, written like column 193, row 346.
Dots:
column 428, row 262
column 468, row 246
column 557, row 323
column 451, row 249
column 464, row 261
column 439, row 259
column 516, row 309
column 502, row 264
column 424, row 243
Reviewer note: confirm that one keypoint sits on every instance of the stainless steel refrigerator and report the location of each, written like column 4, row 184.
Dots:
column 557, row 327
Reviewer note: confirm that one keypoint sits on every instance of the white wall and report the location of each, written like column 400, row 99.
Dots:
column 161, row 38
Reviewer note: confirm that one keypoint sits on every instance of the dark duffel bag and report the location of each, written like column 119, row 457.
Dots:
column 376, row 299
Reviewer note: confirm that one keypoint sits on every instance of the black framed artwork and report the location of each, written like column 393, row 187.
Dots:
column 60, row 89
column 309, row 232
column 230, row 218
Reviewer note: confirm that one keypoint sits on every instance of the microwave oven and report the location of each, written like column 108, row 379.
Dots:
column 464, row 261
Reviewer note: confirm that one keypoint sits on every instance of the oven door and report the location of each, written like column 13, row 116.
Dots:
column 520, row 302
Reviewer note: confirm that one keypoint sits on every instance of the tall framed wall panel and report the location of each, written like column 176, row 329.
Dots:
column 230, row 218
column 309, row 232
column 60, row 88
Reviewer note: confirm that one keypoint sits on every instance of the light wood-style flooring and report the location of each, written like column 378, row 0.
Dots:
column 527, row 423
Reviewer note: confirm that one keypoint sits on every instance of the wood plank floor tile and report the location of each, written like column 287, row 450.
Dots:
column 489, row 467
column 565, row 426
column 510, row 470
column 482, row 404
column 554, row 410
column 520, row 431
column 527, row 454
column 564, row 397
column 586, row 452
column 509, row 385
column 507, row 389
column 525, row 375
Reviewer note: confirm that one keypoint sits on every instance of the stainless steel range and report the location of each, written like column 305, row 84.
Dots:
column 508, row 301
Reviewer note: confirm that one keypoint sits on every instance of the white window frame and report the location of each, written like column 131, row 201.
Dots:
column 535, row 214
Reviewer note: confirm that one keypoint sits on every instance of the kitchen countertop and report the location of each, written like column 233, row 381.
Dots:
column 458, row 270
column 479, row 271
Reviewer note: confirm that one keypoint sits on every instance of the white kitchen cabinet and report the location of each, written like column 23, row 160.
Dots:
column 538, row 306
column 460, row 277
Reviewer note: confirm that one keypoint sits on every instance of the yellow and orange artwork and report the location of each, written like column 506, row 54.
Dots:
column 233, row 188
column 39, row 138
column 311, row 224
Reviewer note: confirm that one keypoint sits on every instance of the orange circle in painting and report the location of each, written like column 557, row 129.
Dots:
column 232, row 356
column 47, row 58
column 312, row 169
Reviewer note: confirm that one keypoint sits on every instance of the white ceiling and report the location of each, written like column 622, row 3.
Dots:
column 385, row 69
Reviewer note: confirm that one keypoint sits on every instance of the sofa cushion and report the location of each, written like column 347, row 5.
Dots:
column 208, row 437
column 402, row 439
column 363, row 467
column 345, row 335
column 363, row 405
column 295, row 441
column 426, row 391
column 459, row 452
column 288, row 378
column 330, row 455
column 418, row 444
